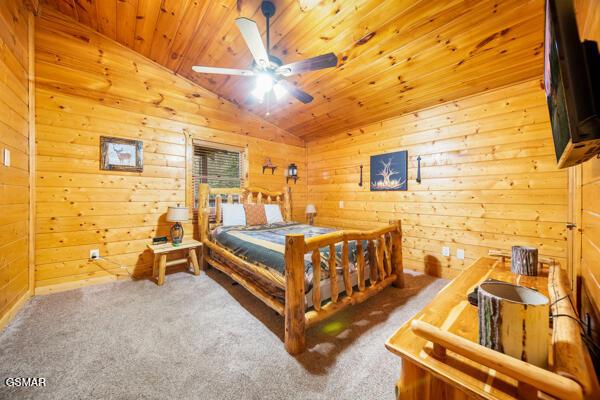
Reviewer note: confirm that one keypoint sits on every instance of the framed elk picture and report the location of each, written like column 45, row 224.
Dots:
column 118, row 154
column 389, row 171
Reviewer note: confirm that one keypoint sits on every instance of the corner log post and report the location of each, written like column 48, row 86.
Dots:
column 294, row 294
column 398, row 268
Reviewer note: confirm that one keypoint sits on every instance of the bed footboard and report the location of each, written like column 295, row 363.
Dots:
column 384, row 251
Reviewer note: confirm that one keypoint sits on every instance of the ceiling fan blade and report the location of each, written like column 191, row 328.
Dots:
column 297, row 93
column 223, row 71
column 311, row 64
column 251, row 35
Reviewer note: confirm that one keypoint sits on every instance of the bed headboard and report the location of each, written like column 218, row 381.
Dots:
column 246, row 195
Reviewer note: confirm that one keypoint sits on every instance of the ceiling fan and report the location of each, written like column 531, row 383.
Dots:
column 268, row 69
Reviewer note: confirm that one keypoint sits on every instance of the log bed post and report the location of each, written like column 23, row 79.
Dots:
column 294, row 293
column 203, row 215
column 397, row 254
column 287, row 204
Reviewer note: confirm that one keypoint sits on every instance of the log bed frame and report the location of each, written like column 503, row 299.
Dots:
column 384, row 251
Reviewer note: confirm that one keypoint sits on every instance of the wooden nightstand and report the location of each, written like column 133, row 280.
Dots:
column 160, row 257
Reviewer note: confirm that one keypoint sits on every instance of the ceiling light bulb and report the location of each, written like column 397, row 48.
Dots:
column 264, row 82
column 280, row 91
column 259, row 94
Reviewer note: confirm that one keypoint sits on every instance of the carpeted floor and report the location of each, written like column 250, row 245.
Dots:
column 200, row 338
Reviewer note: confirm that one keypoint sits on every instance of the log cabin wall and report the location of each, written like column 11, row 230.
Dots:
column 14, row 136
column 587, row 185
column 590, row 230
column 489, row 179
column 88, row 86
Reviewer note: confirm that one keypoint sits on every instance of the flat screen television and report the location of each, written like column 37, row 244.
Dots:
column 571, row 81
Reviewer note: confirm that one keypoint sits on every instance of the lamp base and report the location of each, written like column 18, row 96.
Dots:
column 176, row 234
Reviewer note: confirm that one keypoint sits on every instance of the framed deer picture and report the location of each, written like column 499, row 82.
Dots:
column 389, row 171
column 118, row 154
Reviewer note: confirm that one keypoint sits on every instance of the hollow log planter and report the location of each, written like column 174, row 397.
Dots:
column 384, row 253
column 524, row 260
column 514, row 320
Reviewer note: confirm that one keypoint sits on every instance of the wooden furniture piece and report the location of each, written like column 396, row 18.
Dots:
column 160, row 257
column 384, row 247
column 441, row 357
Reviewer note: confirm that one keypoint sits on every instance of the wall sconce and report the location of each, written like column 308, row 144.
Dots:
column 310, row 212
column 292, row 173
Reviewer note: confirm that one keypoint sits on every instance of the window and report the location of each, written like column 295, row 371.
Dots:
column 220, row 167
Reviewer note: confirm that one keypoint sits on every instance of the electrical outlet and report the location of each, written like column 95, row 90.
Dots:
column 341, row 203
column 94, row 254
column 460, row 254
column 6, row 157
column 446, row 251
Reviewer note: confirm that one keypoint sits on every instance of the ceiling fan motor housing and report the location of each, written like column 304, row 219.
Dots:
column 274, row 63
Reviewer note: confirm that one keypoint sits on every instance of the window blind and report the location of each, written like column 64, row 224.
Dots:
column 220, row 168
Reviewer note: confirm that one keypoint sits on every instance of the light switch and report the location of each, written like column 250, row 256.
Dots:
column 6, row 157
column 446, row 251
column 460, row 254
column 341, row 203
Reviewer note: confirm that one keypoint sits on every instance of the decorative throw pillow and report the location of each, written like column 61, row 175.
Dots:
column 233, row 215
column 273, row 213
column 255, row 214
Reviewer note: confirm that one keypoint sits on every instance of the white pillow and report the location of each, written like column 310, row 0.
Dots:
column 273, row 213
column 233, row 214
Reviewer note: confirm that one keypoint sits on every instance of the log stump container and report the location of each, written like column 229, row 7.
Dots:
column 514, row 320
column 524, row 260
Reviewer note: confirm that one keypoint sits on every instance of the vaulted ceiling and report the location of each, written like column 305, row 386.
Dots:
column 395, row 56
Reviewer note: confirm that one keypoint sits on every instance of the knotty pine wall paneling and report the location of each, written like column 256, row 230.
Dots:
column 14, row 136
column 588, row 193
column 88, row 86
column 489, row 179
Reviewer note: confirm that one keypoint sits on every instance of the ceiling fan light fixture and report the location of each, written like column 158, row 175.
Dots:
column 258, row 94
column 264, row 84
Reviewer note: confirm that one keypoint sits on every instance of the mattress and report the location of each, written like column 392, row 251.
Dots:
column 264, row 246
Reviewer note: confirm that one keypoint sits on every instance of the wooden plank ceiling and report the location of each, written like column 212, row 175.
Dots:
column 395, row 56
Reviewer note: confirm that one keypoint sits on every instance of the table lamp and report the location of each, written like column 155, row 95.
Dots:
column 177, row 214
column 311, row 210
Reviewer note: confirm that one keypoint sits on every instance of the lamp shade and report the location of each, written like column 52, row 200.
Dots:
column 177, row 214
column 311, row 209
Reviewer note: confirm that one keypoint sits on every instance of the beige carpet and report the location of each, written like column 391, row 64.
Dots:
column 200, row 338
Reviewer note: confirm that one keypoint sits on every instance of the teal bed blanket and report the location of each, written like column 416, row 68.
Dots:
column 264, row 245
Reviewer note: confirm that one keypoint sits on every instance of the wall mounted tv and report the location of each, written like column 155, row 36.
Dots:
column 572, row 83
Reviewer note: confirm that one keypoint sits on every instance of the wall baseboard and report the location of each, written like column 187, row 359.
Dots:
column 77, row 284
column 10, row 314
